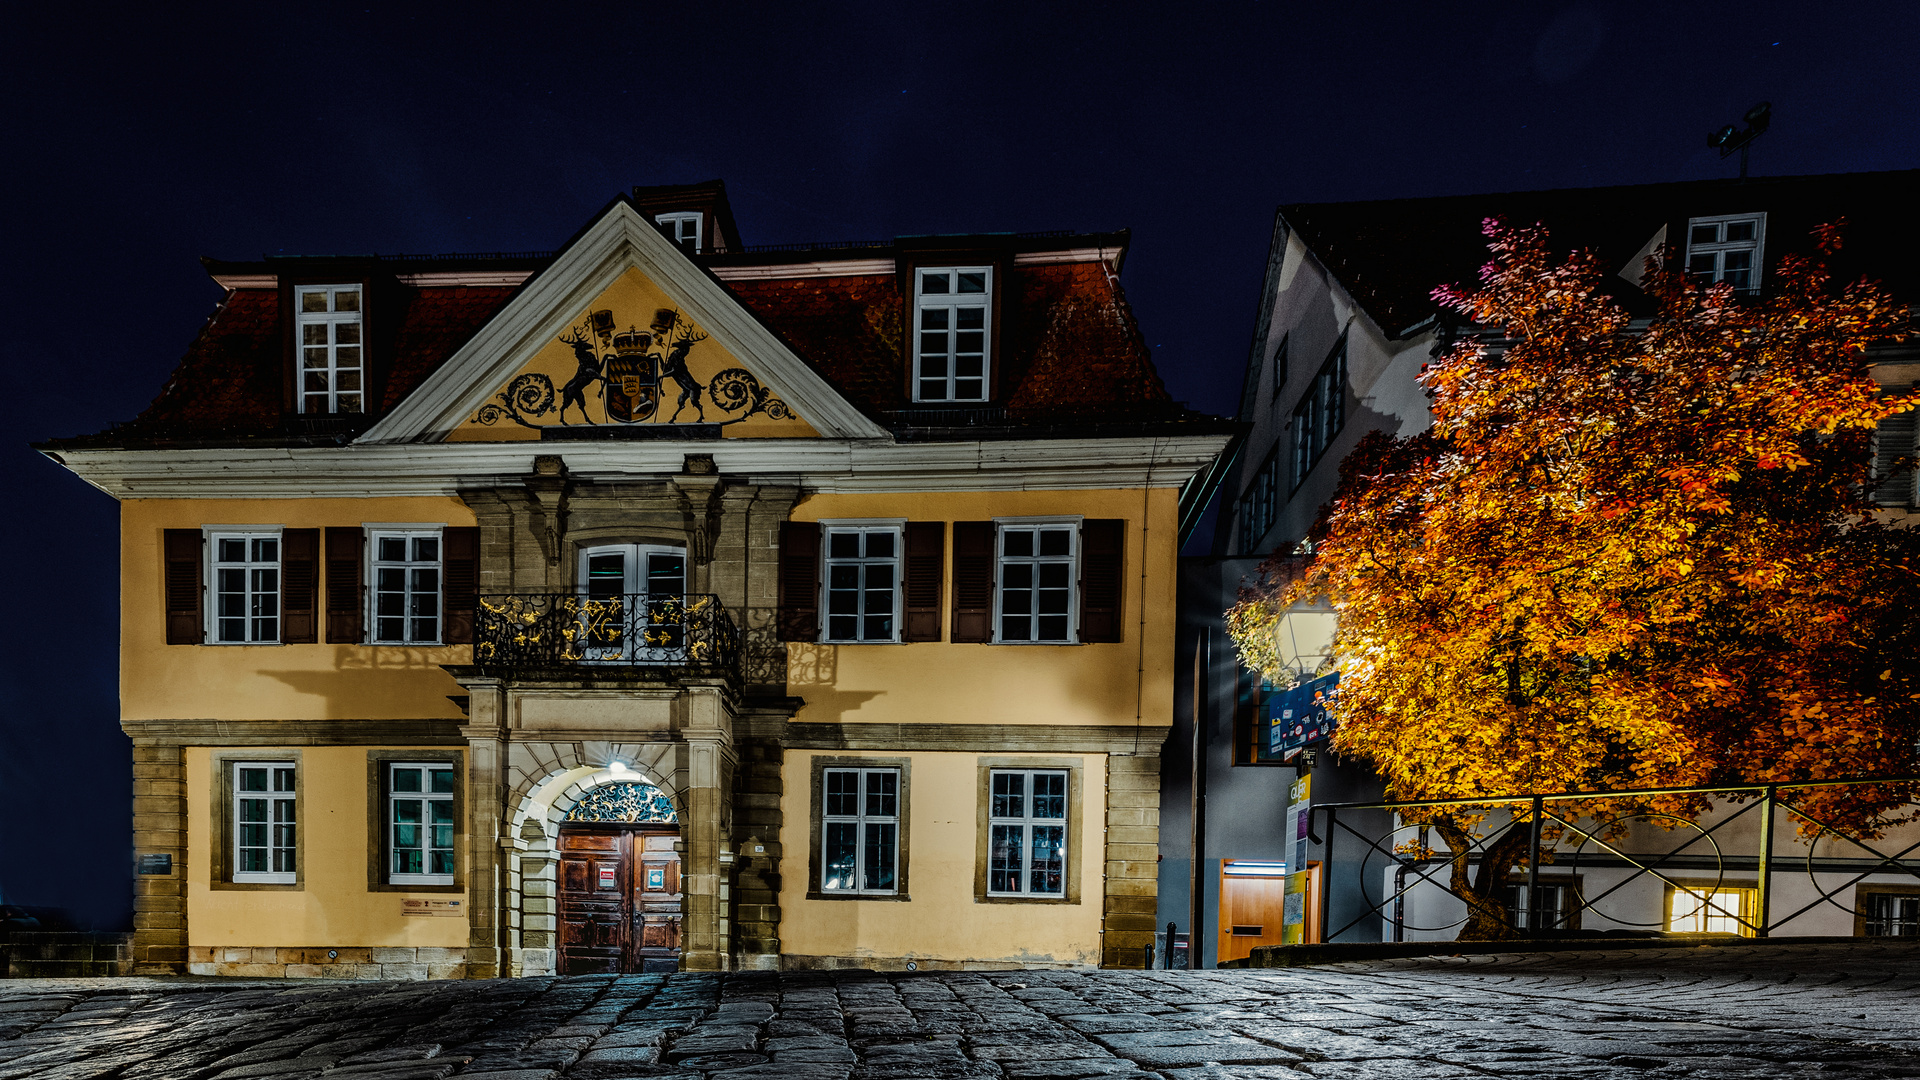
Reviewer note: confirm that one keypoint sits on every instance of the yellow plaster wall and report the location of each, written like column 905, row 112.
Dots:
column 332, row 906
column 942, row 921
column 947, row 683
column 633, row 299
column 269, row 682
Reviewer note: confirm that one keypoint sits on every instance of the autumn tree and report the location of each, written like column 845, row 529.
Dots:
column 1626, row 555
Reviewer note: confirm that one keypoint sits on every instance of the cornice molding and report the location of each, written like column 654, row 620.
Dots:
column 179, row 732
column 1145, row 740
column 620, row 240
column 818, row 465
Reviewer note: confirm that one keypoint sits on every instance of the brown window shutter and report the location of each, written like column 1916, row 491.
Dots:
column 460, row 581
column 346, row 604
column 925, row 573
column 186, row 625
column 1102, row 569
column 299, row 585
column 799, row 581
column 973, row 581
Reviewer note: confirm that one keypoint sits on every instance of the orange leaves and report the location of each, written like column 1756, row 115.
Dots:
column 1620, row 559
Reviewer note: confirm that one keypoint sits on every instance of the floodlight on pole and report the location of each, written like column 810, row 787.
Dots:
column 1729, row 139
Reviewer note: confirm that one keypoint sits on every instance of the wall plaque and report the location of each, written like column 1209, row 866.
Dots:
column 443, row 908
column 156, row 864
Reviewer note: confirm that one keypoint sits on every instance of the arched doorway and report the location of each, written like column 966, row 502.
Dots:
column 619, row 882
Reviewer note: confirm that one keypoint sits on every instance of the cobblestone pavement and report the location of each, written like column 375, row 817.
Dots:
column 1761, row 1011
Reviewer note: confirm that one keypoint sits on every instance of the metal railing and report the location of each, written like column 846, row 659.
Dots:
column 1598, row 842
column 684, row 631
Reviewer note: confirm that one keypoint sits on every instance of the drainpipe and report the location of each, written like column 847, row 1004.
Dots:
column 1196, row 893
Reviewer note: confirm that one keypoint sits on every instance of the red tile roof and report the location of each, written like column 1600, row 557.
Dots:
column 1069, row 352
column 1068, row 343
column 230, row 383
column 436, row 323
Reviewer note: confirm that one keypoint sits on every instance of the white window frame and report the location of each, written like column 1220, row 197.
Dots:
column 1712, row 910
column 1719, row 248
column 1026, row 822
column 1072, row 560
column 408, row 532
column 896, row 526
column 676, row 221
column 861, row 819
column 427, row 798
column 950, row 302
column 327, row 402
column 282, row 807
column 214, row 534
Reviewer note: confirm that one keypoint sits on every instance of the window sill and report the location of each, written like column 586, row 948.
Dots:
column 816, row 894
column 978, row 899
column 248, row 886
column 383, row 886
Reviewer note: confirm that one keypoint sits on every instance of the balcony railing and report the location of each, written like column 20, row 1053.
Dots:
column 685, row 631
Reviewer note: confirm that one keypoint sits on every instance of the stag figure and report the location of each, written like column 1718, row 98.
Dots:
column 575, row 392
column 667, row 327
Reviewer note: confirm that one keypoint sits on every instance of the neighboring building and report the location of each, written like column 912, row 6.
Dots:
column 1346, row 320
column 657, row 602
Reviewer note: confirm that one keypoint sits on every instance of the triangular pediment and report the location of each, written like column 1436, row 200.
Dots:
column 622, row 332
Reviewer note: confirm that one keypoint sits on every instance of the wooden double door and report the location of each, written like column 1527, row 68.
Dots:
column 620, row 899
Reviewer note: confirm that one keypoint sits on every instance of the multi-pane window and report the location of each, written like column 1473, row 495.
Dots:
column 1321, row 414
column 1727, row 249
column 1710, row 911
column 1260, row 503
column 420, row 823
column 1280, row 364
column 332, row 359
column 682, row 227
column 1035, row 597
column 863, row 583
column 406, row 587
column 860, row 831
column 264, row 804
column 1890, row 914
column 1555, row 905
column 1027, row 842
column 950, row 333
column 246, row 588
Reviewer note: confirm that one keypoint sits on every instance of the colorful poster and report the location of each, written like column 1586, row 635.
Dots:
column 1293, row 908
column 1302, row 716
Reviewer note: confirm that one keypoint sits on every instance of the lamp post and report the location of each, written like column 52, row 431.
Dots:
column 1729, row 139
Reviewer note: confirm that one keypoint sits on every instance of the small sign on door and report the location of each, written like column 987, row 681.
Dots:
column 656, row 878
column 606, row 878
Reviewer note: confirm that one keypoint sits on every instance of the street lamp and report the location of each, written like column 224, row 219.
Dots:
column 1729, row 139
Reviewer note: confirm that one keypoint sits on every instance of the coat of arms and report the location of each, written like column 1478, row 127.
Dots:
column 625, row 369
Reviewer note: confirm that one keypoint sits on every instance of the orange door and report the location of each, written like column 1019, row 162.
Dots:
column 1250, row 908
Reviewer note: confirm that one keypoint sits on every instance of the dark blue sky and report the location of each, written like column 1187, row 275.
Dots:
column 142, row 138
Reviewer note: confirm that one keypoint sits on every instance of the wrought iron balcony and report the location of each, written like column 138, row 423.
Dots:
column 676, row 632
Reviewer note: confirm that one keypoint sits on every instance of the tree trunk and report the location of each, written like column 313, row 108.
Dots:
column 1487, row 916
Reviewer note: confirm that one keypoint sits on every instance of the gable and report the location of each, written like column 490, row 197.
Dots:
column 606, row 289
column 630, row 358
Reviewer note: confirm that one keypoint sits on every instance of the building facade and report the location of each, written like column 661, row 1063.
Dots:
column 1346, row 320
column 654, row 603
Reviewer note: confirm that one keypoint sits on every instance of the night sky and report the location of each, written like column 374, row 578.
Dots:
column 143, row 138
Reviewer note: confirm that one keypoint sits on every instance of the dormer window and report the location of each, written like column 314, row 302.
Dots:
column 1727, row 248
column 683, row 228
column 950, row 314
column 332, row 360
